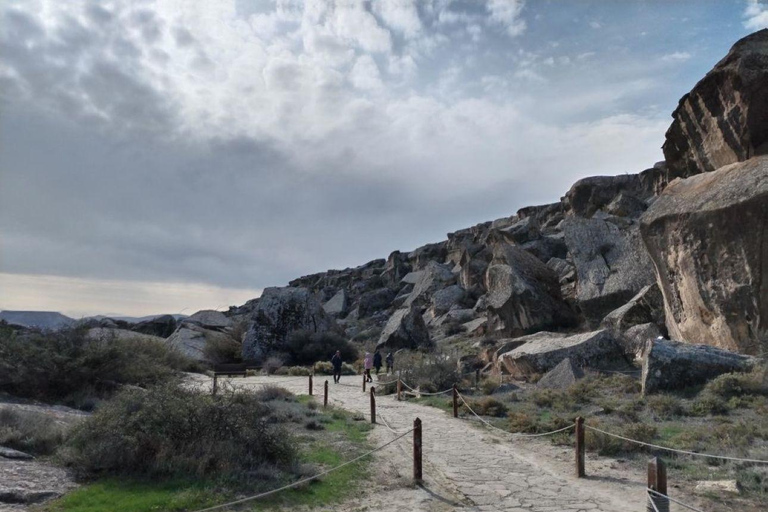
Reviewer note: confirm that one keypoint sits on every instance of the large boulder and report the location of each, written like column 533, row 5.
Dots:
column 636, row 338
column 405, row 329
column 588, row 195
column 612, row 264
column 562, row 376
column 210, row 319
column 645, row 307
column 338, row 304
column 523, row 294
column 280, row 312
column 162, row 326
column 543, row 351
column 433, row 277
column 190, row 340
column 670, row 365
column 445, row 299
column 724, row 119
column 707, row 237
column 375, row 300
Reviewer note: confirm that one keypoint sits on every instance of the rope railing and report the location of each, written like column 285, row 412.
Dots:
column 674, row 450
column 515, row 434
column 652, row 493
column 425, row 393
column 304, row 480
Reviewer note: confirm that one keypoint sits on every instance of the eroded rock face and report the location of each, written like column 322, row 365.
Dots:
column 523, row 294
column 670, row 365
column 338, row 304
column 724, row 119
column 543, row 351
column 612, row 264
column 589, row 195
column 278, row 313
column 645, row 307
column 707, row 237
column 405, row 329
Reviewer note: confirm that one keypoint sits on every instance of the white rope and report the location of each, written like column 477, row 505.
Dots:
column 673, row 500
column 652, row 502
column 424, row 393
column 722, row 457
column 515, row 434
column 304, row 480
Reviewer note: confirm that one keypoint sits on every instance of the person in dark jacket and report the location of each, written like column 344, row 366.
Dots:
column 390, row 363
column 377, row 361
column 336, row 362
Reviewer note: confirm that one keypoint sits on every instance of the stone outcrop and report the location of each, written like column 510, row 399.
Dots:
column 523, row 294
column 338, row 304
column 162, row 326
column 669, row 365
column 707, row 237
column 278, row 313
column 543, row 351
column 724, row 119
column 611, row 262
column 405, row 329
column 209, row 319
column 645, row 307
column 589, row 195
column 562, row 376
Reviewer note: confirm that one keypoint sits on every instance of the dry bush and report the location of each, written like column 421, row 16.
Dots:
column 665, row 406
column 273, row 364
column 429, row 372
column 489, row 407
column 30, row 431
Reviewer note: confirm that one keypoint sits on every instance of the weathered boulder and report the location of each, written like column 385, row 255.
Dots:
column 562, row 376
column 645, row 307
column 547, row 247
column 338, row 304
column 107, row 334
column 670, row 365
column 450, row 296
column 210, row 319
column 190, row 340
column 707, row 237
column 10, row 453
column 162, row 326
column 433, row 277
column 588, row 195
column 724, row 119
column 544, row 350
column 405, row 329
column 375, row 300
column 522, row 231
column 278, row 313
column 636, row 338
column 612, row 264
column 523, row 294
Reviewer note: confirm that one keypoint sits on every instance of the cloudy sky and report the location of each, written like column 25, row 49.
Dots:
column 167, row 156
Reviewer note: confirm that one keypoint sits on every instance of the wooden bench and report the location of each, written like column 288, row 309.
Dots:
column 230, row 369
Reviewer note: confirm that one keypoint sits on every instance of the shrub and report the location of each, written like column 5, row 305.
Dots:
column 272, row 393
column 708, row 404
column 69, row 365
column 323, row 368
column 222, row 348
column 307, row 348
column 489, row 407
column 30, row 431
column 731, row 385
column 608, row 445
column 429, row 372
column 173, row 431
column 273, row 364
column 664, row 406
column 454, row 327
column 489, row 385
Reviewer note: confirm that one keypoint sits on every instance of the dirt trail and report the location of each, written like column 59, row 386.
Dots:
column 466, row 467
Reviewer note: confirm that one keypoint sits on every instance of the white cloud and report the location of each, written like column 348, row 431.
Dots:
column 676, row 57
column 756, row 15
column 401, row 15
column 508, row 13
column 595, row 24
column 365, row 73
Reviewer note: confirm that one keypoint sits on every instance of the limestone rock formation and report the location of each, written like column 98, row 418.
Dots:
column 612, row 264
column 589, row 195
column 523, row 294
column 562, row 376
column 189, row 340
column 645, row 307
column 209, row 319
column 669, row 365
column 405, row 329
column 724, row 119
column 278, row 313
column 707, row 237
column 338, row 304
column 543, row 351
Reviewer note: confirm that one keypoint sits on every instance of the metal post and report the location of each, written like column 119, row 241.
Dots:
column 373, row 404
column 399, row 388
column 310, row 385
column 657, row 481
column 455, row 402
column 325, row 394
column 417, row 476
column 215, row 383
column 580, row 447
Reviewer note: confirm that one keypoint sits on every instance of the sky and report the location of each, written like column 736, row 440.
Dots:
column 170, row 156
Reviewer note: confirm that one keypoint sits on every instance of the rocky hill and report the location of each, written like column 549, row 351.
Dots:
column 677, row 249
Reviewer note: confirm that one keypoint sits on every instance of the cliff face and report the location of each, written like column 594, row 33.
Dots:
column 568, row 265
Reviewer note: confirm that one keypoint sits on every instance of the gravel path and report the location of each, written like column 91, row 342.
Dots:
column 466, row 467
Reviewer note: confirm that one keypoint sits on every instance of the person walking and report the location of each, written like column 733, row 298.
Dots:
column 336, row 362
column 390, row 363
column 368, row 364
column 377, row 361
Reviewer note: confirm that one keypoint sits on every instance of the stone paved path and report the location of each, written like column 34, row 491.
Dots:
column 466, row 467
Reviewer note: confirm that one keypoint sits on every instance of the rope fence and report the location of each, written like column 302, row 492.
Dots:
column 653, row 495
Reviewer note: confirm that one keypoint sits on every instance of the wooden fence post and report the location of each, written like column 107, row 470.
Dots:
column 215, row 383
column 373, row 404
column 580, row 447
column 477, row 379
column 325, row 394
column 455, row 402
column 399, row 388
column 363, row 381
column 417, row 476
column 657, row 481
column 310, row 385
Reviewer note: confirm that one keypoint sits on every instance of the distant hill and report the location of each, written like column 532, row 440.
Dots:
column 38, row 319
column 133, row 319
